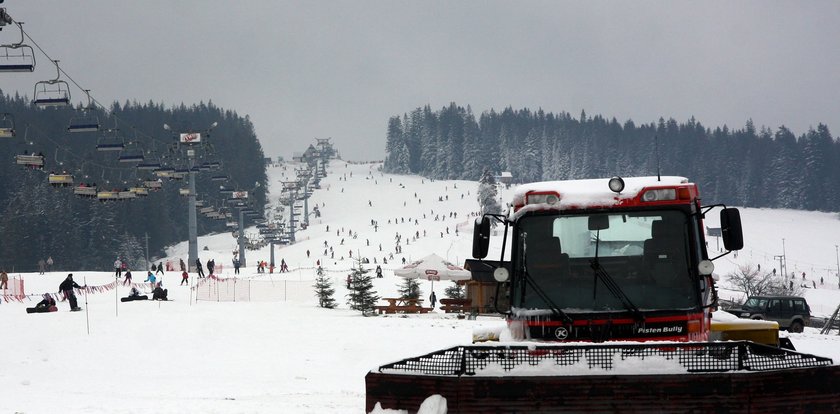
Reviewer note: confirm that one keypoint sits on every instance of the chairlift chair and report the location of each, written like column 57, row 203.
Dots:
column 17, row 57
column 139, row 191
column 110, row 141
column 106, row 195
column 199, row 203
column 184, row 191
column 219, row 178
column 7, row 125
column 83, row 190
column 232, row 224
column 131, row 154
column 53, row 92
column 164, row 172
column 153, row 185
column 60, row 180
column 34, row 161
column 126, row 195
column 85, row 120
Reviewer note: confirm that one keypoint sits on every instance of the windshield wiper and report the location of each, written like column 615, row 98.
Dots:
column 610, row 283
column 541, row 293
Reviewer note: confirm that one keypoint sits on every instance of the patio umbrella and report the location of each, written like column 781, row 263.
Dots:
column 433, row 268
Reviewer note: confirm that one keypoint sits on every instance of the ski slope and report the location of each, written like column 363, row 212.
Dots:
column 290, row 356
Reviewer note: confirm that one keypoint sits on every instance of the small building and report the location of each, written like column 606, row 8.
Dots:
column 506, row 178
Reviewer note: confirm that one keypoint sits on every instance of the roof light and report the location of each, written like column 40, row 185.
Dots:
column 616, row 184
column 661, row 194
column 542, row 198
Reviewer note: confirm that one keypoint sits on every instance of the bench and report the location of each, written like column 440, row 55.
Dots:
column 455, row 305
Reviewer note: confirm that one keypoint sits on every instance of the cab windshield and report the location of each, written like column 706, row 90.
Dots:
column 647, row 254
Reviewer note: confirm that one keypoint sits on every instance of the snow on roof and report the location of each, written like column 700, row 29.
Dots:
column 587, row 193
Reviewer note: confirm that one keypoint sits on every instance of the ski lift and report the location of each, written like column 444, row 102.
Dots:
column 84, row 190
column 53, row 92
column 17, row 57
column 140, row 191
column 60, row 180
column 7, row 125
column 110, row 141
column 86, row 120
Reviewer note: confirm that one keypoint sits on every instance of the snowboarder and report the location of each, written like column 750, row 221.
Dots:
column 236, row 266
column 45, row 304
column 199, row 268
column 66, row 287
column 127, row 279
column 160, row 293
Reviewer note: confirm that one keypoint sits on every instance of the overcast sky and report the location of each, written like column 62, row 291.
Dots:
column 315, row 69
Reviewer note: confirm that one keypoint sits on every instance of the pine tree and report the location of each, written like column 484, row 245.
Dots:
column 362, row 296
column 410, row 289
column 324, row 289
column 487, row 194
column 454, row 291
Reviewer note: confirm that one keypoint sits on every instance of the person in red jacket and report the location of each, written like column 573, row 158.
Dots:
column 185, row 278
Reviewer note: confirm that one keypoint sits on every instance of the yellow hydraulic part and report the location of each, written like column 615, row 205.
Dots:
column 761, row 332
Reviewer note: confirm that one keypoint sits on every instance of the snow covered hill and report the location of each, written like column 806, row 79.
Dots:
column 290, row 356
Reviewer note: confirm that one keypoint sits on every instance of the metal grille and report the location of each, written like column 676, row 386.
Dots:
column 573, row 359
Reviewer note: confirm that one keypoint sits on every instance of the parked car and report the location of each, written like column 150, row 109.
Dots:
column 791, row 312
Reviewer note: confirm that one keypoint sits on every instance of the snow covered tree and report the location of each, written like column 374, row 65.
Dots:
column 487, row 194
column 132, row 252
column 361, row 296
column 410, row 289
column 454, row 291
column 753, row 282
column 324, row 289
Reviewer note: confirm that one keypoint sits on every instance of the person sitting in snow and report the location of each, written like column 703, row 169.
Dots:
column 46, row 303
column 160, row 293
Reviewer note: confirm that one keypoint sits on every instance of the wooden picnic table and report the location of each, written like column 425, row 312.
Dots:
column 455, row 305
column 403, row 305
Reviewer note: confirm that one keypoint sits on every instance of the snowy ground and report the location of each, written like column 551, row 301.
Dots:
column 290, row 356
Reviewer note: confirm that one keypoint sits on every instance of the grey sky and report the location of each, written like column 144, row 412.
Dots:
column 339, row 69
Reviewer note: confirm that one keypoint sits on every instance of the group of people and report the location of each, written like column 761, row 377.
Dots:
column 45, row 265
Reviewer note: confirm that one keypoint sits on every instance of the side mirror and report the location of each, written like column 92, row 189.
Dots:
column 730, row 228
column 481, row 237
column 599, row 222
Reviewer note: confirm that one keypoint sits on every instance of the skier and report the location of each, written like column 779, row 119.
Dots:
column 159, row 268
column 211, row 266
column 41, row 266
column 183, row 265
column 150, row 277
column 185, row 278
column 49, row 264
column 4, row 280
column 433, row 299
column 66, row 287
column 378, row 271
column 236, row 266
column 199, row 268
column 118, row 267
column 127, row 279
